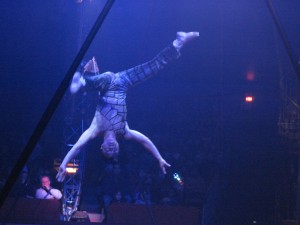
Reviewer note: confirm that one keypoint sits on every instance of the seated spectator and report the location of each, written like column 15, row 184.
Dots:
column 23, row 187
column 119, row 197
column 46, row 191
column 142, row 198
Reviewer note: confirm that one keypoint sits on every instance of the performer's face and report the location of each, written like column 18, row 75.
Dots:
column 110, row 148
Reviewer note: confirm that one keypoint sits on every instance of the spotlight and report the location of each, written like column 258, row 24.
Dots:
column 248, row 102
column 72, row 167
column 250, row 76
column 249, row 98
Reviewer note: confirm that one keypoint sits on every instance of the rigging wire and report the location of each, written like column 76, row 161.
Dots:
column 289, row 50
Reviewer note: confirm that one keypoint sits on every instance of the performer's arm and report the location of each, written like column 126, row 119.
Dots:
column 148, row 144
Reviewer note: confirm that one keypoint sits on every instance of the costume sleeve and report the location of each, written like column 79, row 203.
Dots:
column 142, row 72
column 100, row 82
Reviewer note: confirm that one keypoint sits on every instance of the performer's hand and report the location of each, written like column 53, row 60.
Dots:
column 46, row 188
column 61, row 174
column 163, row 164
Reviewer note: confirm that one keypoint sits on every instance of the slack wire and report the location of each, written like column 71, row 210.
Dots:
column 150, row 211
column 289, row 51
column 149, row 208
column 54, row 102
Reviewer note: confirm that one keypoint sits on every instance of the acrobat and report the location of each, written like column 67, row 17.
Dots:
column 109, row 120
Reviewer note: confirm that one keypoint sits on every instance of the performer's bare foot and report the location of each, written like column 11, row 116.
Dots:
column 91, row 66
column 183, row 38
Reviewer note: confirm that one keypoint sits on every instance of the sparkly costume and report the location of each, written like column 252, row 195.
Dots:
column 113, row 87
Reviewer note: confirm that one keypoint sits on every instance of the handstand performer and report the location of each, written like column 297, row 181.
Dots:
column 110, row 117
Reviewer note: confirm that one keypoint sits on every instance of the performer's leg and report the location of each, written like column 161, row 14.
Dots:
column 144, row 71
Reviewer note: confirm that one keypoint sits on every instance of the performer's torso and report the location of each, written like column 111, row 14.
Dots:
column 112, row 106
column 113, row 89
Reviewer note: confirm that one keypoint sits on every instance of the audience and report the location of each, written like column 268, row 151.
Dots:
column 23, row 187
column 134, row 177
column 46, row 191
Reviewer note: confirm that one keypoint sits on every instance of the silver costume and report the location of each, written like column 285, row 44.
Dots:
column 113, row 87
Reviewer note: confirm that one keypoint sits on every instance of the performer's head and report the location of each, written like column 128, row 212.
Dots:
column 110, row 148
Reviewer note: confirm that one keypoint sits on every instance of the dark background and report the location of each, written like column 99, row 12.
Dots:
column 196, row 106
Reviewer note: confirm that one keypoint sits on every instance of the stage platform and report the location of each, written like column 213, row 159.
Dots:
column 48, row 212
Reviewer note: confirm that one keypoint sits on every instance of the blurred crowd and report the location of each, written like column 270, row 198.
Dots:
column 37, row 167
column 134, row 177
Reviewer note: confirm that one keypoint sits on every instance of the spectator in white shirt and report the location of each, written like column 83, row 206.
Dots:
column 46, row 191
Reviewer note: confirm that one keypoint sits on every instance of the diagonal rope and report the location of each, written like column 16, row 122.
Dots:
column 288, row 49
